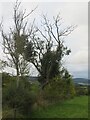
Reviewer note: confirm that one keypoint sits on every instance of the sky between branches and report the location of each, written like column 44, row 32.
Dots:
column 72, row 13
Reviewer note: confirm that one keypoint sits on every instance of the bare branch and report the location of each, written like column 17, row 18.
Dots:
column 42, row 34
column 67, row 31
column 30, row 13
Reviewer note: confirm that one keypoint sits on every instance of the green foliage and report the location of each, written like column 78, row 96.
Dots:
column 70, row 88
column 7, row 78
column 54, row 90
column 81, row 90
column 59, row 89
column 29, row 52
column 20, row 42
column 9, row 113
column 49, row 61
column 49, row 66
column 15, row 41
column 19, row 98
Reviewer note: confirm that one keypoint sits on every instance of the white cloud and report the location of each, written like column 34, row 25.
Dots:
column 80, row 58
column 78, row 64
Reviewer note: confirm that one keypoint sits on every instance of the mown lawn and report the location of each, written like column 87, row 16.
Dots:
column 74, row 108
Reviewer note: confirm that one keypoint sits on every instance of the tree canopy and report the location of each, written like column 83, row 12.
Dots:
column 49, row 48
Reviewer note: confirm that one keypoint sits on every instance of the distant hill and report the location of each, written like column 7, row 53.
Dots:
column 76, row 80
column 81, row 80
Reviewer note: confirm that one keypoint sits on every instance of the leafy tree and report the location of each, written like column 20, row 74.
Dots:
column 49, row 48
column 15, row 42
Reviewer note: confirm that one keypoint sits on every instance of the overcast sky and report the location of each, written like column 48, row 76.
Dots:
column 72, row 13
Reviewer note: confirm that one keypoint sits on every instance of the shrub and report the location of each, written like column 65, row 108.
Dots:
column 81, row 90
column 59, row 89
column 19, row 98
column 9, row 113
column 6, row 79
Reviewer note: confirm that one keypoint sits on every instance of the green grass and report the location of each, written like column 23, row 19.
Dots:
column 73, row 108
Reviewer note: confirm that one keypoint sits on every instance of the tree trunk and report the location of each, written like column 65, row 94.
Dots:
column 17, row 75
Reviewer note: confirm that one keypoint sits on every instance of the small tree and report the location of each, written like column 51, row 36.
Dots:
column 15, row 42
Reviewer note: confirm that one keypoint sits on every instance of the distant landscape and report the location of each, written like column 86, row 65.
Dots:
column 81, row 80
column 76, row 80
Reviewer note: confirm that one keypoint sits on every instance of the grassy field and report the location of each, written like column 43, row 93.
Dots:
column 74, row 108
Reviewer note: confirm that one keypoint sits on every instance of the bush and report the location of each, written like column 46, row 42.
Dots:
column 19, row 98
column 6, row 79
column 9, row 113
column 59, row 89
column 81, row 90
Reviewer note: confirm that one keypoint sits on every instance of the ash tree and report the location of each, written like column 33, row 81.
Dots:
column 49, row 49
